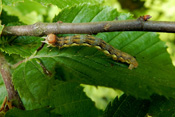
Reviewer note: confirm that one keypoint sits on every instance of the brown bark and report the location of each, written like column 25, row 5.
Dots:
column 6, row 75
column 40, row 29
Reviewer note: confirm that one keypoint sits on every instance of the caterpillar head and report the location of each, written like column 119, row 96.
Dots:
column 51, row 39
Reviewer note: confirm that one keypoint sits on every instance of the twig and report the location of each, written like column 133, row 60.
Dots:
column 6, row 75
column 3, row 104
column 39, row 29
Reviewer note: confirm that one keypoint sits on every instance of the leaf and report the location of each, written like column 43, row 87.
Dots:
column 0, row 6
column 86, row 13
column 11, row 2
column 127, row 106
column 155, row 73
column 39, row 90
column 44, row 112
column 161, row 107
column 29, row 15
column 66, row 3
column 70, row 100
column 8, row 19
column 3, row 91
column 1, row 28
column 24, row 46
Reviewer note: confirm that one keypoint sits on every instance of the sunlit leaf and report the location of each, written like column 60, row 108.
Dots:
column 3, row 91
column 11, row 2
column 65, row 3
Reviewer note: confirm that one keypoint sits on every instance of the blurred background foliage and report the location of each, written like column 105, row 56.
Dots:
column 30, row 12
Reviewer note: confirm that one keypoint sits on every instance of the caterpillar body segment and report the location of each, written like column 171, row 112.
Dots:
column 91, row 41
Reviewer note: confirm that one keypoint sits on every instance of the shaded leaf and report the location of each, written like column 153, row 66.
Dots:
column 70, row 100
column 8, row 19
column 24, row 46
column 162, row 107
column 44, row 112
column 127, row 106
column 40, row 90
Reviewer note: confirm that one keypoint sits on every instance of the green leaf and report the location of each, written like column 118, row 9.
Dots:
column 65, row 3
column 8, row 19
column 70, row 100
column 155, row 73
column 43, row 112
column 11, row 2
column 86, row 13
column 1, row 28
column 127, row 106
column 29, row 15
column 3, row 91
column 24, row 46
column 40, row 90
column 0, row 6
column 162, row 107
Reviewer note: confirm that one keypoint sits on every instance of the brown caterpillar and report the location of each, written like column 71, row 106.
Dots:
column 88, row 40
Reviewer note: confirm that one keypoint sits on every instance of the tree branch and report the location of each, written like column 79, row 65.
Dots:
column 39, row 29
column 6, row 75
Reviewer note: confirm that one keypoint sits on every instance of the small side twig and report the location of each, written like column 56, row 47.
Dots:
column 42, row 45
column 3, row 104
column 6, row 75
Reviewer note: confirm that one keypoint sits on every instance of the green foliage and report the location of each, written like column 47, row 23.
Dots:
column 9, row 20
column 0, row 6
column 127, row 106
column 52, row 77
column 11, row 2
column 1, row 26
column 162, row 107
column 3, row 91
column 25, row 12
column 141, row 82
column 43, row 112
column 23, row 45
column 65, row 3
column 41, row 91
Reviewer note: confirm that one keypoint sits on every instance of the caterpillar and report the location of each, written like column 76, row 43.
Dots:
column 91, row 41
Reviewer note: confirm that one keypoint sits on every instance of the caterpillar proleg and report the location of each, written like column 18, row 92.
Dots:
column 88, row 40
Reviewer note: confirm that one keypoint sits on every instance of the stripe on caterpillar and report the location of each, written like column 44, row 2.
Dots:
column 88, row 40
